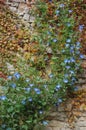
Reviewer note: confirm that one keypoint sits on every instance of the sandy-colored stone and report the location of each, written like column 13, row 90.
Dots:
column 26, row 17
column 82, row 128
column 13, row 9
column 48, row 128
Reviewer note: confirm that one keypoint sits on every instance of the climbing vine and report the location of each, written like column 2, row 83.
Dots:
column 46, row 69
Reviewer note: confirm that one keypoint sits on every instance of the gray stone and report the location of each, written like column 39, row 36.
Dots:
column 48, row 128
column 81, row 122
column 61, row 108
column 31, row 19
column 10, row 68
column 81, row 81
column 61, row 116
column 82, row 128
column 56, row 128
column 41, row 127
column 17, row 1
column 58, row 124
column 13, row 9
column 26, row 17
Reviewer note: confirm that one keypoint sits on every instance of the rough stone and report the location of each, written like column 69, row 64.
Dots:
column 61, row 116
column 13, row 9
column 81, row 122
column 48, row 128
column 82, row 128
column 22, row 9
column 17, row 1
column 26, row 17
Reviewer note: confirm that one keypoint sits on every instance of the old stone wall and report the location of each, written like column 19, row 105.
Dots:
column 23, row 9
column 70, row 115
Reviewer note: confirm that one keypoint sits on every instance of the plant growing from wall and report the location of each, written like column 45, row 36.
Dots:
column 51, row 69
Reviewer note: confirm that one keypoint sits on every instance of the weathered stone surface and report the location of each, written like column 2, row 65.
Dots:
column 48, row 128
column 81, row 122
column 22, row 8
column 82, row 128
column 31, row 19
column 16, row 0
column 61, row 116
column 10, row 68
column 83, row 86
column 13, row 9
column 61, row 108
column 59, row 124
column 26, row 17
column 41, row 127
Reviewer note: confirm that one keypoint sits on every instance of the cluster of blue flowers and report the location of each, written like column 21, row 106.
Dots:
column 3, row 97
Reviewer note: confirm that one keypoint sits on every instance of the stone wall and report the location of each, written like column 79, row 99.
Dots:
column 70, row 115
column 23, row 9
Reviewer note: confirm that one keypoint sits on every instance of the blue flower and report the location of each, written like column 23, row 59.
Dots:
column 61, row 5
column 54, row 40
column 73, row 79
column 58, row 87
column 31, row 85
column 68, row 24
column 23, row 102
column 9, row 77
column 45, row 86
column 71, row 50
column 72, row 47
column 76, row 88
column 3, row 97
column 66, row 61
column 57, row 12
column 40, row 112
column 63, row 51
column 50, row 75
column 27, row 80
column 68, row 40
column 13, row 85
column 65, row 80
column 81, row 56
column 70, row 11
column 72, row 59
column 81, row 27
column 3, row 126
column 71, row 71
column 78, row 43
column 30, row 99
column 17, row 75
column 67, row 67
column 67, row 45
column 77, row 52
column 45, row 123
column 37, row 90
column 77, row 47
column 49, row 33
column 27, row 89
column 66, row 75
column 59, row 100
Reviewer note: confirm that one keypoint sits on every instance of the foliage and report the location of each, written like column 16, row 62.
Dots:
column 47, row 68
column 21, row 100
column 13, row 35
